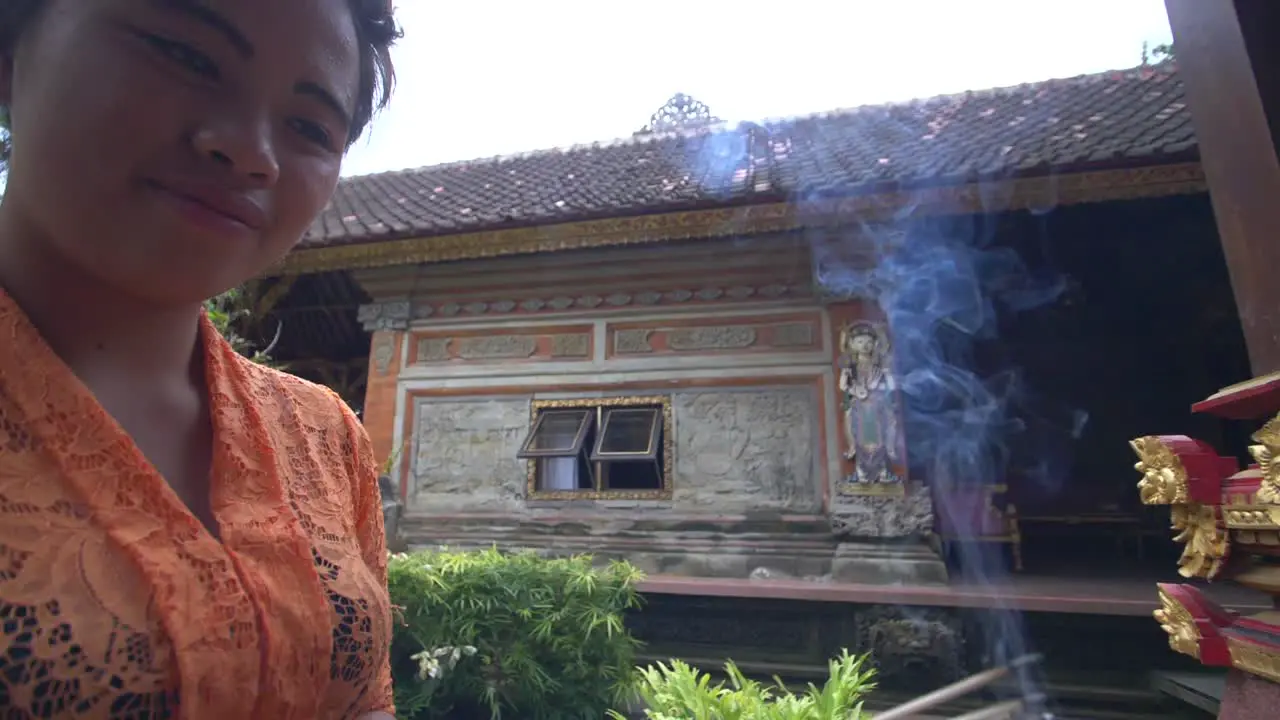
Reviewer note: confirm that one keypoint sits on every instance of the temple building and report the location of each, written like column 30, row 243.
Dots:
column 712, row 349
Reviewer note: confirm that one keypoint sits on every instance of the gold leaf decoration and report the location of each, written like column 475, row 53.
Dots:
column 1267, row 454
column 1205, row 543
column 1179, row 625
column 1164, row 479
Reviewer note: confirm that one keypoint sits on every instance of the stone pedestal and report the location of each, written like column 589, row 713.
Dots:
column 909, row 562
column 884, row 540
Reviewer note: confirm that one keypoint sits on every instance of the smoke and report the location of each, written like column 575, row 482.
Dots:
column 943, row 284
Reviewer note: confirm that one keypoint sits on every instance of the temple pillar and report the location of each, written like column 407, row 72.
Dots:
column 882, row 517
column 1229, row 65
column 1228, row 62
column 388, row 321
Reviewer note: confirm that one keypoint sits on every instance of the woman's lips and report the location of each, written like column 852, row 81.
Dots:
column 213, row 207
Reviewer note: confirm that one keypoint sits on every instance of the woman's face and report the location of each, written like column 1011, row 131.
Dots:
column 172, row 149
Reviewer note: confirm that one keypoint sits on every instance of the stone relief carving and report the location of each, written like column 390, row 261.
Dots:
column 793, row 335
column 912, row 646
column 631, row 342
column 388, row 315
column 746, row 450
column 729, row 337
column 861, row 517
column 571, row 346
column 496, row 347
column 384, row 349
column 464, row 454
column 433, row 350
column 872, row 419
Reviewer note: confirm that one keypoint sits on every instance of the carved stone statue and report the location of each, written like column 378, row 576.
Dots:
column 916, row 650
column 871, row 420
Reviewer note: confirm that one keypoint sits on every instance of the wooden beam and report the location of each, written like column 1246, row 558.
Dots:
column 1233, row 87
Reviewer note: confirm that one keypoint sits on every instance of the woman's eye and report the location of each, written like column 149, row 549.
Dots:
column 184, row 55
column 313, row 132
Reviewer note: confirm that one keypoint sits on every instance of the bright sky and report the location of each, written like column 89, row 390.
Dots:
column 493, row 77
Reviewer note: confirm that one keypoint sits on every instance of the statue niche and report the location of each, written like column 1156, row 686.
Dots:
column 872, row 423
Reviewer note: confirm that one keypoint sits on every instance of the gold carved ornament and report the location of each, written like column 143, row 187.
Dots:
column 1179, row 625
column 1164, row 482
column 1205, row 543
column 1164, row 479
column 1267, row 455
column 1254, row 660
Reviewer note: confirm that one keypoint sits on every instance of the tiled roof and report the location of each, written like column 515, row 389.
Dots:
column 1121, row 118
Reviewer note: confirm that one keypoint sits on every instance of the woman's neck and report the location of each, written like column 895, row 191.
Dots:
column 100, row 332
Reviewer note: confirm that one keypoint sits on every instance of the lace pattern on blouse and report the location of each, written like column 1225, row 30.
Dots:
column 115, row 603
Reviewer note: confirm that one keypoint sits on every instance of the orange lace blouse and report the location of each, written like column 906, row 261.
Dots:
column 116, row 603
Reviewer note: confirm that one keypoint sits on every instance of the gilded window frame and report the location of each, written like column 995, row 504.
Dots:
column 667, row 448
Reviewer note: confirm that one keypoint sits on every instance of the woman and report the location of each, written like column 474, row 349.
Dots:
column 182, row 533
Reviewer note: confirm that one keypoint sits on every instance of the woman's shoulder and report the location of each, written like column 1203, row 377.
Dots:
column 308, row 423
column 312, row 402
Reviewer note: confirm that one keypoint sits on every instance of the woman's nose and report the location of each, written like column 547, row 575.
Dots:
column 242, row 146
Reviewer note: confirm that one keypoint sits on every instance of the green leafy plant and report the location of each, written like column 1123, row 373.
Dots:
column 547, row 633
column 681, row 692
column 224, row 311
column 389, row 465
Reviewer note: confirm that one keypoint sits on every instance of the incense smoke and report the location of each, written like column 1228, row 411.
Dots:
column 942, row 287
column 943, row 284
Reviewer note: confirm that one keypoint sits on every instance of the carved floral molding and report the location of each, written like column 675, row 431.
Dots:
column 398, row 314
column 773, row 334
column 570, row 344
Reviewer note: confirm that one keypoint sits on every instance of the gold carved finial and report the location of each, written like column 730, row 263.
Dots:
column 1205, row 543
column 1164, row 480
column 1267, row 455
column 1178, row 623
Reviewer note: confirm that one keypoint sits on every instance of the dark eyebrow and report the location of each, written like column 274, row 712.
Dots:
column 197, row 10
column 327, row 99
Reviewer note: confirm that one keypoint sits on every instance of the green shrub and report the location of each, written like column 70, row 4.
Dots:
column 682, row 692
column 493, row 635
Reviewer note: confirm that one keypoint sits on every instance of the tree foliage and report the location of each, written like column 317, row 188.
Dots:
column 1162, row 52
column 227, row 311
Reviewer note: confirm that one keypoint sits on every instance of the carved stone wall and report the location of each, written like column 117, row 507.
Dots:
column 863, row 516
column 464, row 455
column 747, row 450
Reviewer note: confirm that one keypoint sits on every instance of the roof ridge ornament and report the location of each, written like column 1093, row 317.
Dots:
column 681, row 112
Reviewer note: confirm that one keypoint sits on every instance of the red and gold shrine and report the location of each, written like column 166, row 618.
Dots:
column 1228, row 522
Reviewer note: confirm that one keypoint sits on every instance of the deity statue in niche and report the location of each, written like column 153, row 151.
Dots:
column 871, row 420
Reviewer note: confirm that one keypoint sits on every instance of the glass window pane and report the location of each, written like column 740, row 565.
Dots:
column 558, row 473
column 558, row 431
column 628, row 431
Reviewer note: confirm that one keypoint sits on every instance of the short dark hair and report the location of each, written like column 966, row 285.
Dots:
column 376, row 32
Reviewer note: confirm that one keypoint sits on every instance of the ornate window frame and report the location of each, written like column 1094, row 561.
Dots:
column 665, row 456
